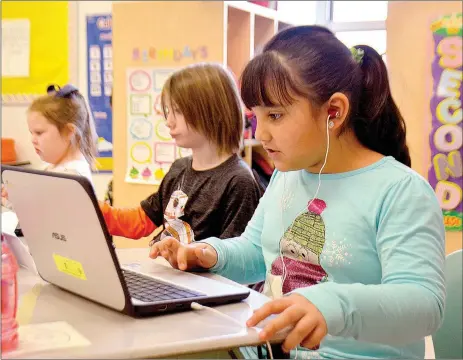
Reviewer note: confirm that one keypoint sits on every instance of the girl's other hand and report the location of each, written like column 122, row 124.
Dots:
column 307, row 323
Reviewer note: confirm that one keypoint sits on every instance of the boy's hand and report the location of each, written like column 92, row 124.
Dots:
column 185, row 257
column 309, row 325
column 4, row 192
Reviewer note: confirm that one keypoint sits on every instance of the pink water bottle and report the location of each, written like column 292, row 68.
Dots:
column 9, row 299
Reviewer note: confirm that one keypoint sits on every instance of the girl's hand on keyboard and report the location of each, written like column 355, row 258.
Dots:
column 184, row 257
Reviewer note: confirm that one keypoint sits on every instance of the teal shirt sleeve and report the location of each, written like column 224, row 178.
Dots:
column 241, row 259
column 409, row 303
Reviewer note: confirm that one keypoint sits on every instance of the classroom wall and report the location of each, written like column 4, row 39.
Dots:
column 14, row 123
column 409, row 58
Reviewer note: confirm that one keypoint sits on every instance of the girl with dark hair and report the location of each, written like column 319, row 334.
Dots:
column 348, row 238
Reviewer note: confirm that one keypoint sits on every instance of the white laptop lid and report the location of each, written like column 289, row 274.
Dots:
column 70, row 245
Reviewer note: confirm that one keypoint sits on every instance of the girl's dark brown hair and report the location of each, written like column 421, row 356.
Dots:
column 310, row 62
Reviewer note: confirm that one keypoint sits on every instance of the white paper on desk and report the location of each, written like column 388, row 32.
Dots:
column 35, row 338
column 16, row 44
column 9, row 222
column 21, row 252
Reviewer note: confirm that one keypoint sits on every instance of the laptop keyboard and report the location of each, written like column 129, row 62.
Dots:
column 149, row 290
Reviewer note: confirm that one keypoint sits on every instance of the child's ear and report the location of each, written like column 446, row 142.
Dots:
column 340, row 102
column 70, row 131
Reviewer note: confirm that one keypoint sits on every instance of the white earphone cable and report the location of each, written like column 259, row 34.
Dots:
column 197, row 306
column 284, row 272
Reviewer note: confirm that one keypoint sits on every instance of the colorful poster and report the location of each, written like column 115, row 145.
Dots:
column 100, row 84
column 445, row 173
column 150, row 148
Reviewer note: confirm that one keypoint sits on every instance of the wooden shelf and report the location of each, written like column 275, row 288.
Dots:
column 238, row 40
column 264, row 29
column 251, row 8
column 248, row 28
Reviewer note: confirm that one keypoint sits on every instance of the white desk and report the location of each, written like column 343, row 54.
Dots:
column 114, row 335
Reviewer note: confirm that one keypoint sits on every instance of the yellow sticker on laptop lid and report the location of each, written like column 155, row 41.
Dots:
column 70, row 267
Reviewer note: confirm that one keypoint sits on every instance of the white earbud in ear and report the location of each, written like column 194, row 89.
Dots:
column 331, row 124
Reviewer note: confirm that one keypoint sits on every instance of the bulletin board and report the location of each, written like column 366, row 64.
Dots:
column 446, row 139
column 100, row 85
column 150, row 148
column 49, row 48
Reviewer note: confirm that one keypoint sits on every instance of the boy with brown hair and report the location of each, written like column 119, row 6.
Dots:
column 212, row 192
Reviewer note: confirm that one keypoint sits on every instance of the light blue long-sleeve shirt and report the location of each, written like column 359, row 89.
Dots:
column 368, row 252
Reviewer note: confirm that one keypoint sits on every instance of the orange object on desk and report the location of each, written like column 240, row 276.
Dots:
column 8, row 150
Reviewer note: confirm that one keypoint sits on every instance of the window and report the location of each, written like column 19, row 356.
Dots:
column 358, row 23
column 359, row 11
column 353, row 22
column 374, row 38
column 299, row 12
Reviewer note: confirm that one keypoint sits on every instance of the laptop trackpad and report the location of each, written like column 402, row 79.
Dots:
column 188, row 281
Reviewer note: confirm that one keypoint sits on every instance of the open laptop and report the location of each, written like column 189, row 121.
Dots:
column 72, row 249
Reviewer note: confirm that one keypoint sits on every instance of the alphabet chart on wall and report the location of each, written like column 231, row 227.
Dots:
column 445, row 139
column 150, row 148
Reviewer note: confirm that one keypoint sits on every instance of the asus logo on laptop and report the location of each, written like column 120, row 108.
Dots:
column 58, row 236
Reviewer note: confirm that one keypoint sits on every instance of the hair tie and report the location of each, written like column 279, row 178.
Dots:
column 53, row 89
column 357, row 54
column 62, row 92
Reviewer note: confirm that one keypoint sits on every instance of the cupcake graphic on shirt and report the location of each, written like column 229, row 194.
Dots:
column 134, row 173
column 146, row 174
column 301, row 247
